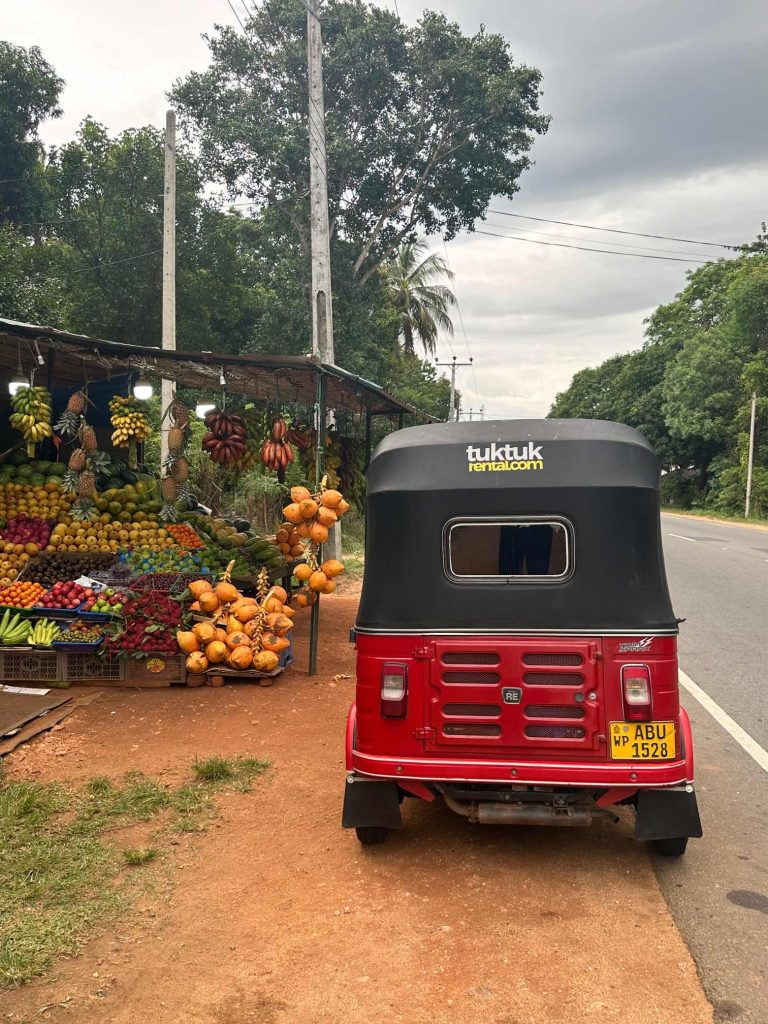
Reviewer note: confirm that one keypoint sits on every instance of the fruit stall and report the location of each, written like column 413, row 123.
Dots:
column 114, row 571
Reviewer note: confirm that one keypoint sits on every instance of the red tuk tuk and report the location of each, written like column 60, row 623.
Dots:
column 516, row 644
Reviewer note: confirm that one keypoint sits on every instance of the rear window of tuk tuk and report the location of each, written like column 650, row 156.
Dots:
column 508, row 550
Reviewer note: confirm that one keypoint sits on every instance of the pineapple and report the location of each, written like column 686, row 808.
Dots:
column 69, row 481
column 99, row 462
column 83, row 511
column 175, row 440
column 179, row 471
column 76, row 403
column 180, row 414
column 86, row 485
column 168, row 489
column 168, row 514
column 88, row 438
column 77, row 460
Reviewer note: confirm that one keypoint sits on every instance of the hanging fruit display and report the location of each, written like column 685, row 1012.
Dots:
column 71, row 418
column 131, row 426
column 309, row 518
column 175, row 466
column 276, row 452
column 225, row 441
column 255, row 425
column 32, row 415
column 240, row 633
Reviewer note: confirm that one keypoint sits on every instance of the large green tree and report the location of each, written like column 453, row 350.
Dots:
column 424, row 124
column 29, row 94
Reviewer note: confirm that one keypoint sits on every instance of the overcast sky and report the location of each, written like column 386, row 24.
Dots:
column 659, row 125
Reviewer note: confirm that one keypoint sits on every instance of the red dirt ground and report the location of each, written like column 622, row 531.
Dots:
column 278, row 916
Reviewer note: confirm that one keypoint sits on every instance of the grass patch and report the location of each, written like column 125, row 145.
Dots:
column 59, row 874
column 728, row 517
column 236, row 772
column 134, row 857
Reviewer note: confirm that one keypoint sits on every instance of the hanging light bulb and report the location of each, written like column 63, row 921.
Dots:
column 203, row 408
column 18, row 381
column 142, row 389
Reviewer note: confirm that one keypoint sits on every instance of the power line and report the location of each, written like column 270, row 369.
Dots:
column 608, row 252
column 615, row 231
column 239, row 20
column 112, row 263
column 575, row 238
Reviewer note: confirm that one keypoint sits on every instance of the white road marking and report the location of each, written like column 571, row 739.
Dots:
column 681, row 537
column 745, row 741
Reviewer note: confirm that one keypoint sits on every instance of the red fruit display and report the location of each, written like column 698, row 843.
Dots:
column 64, row 596
column 24, row 529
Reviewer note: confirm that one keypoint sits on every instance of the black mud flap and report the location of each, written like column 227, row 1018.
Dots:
column 667, row 814
column 369, row 804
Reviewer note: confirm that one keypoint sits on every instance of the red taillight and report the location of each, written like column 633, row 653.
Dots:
column 394, row 690
column 636, row 688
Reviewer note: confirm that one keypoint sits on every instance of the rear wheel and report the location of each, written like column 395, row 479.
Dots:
column 670, row 847
column 372, row 835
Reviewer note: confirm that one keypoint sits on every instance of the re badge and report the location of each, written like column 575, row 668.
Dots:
column 511, row 694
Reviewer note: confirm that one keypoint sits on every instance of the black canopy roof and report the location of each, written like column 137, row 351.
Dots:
column 600, row 478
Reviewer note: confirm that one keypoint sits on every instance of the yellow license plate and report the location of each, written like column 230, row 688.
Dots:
column 642, row 741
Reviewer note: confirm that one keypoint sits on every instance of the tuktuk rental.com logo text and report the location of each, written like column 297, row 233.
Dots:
column 502, row 458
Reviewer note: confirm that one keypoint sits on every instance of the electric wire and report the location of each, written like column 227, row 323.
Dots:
column 614, row 231
column 603, row 241
column 608, row 252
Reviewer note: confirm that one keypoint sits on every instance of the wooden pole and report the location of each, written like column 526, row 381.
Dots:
column 322, row 306
column 168, row 387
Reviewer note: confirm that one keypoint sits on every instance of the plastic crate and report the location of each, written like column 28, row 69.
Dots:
column 87, row 667
column 56, row 613
column 31, row 666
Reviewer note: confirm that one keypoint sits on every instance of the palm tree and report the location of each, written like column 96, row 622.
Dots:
column 422, row 303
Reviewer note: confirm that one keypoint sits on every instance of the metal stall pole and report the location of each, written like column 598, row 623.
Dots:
column 367, row 439
column 320, row 412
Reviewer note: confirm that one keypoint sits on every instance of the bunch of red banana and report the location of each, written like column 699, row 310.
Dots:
column 276, row 452
column 227, row 437
column 299, row 436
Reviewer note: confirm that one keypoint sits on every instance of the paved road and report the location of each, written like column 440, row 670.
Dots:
column 718, row 892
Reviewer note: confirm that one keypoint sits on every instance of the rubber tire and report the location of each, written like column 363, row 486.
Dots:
column 669, row 847
column 372, row 835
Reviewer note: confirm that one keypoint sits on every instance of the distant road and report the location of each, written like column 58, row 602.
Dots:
column 718, row 892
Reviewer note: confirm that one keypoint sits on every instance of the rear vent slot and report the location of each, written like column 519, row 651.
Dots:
column 553, row 679
column 555, row 732
column 553, row 659
column 553, row 711
column 472, row 678
column 471, row 729
column 471, row 658
column 472, row 710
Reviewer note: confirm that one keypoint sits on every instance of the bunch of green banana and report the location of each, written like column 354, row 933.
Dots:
column 44, row 633
column 32, row 415
column 14, row 630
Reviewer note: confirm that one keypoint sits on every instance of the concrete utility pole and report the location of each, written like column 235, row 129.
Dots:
column 168, row 387
column 751, row 457
column 453, row 412
column 322, row 306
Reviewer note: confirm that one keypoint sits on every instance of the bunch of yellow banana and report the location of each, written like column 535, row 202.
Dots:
column 129, row 422
column 32, row 415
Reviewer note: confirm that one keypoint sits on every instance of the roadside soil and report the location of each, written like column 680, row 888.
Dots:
column 277, row 916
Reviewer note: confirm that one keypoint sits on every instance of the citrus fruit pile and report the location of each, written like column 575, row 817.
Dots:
column 22, row 594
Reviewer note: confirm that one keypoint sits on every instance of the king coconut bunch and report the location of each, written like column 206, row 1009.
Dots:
column 309, row 518
column 240, row 633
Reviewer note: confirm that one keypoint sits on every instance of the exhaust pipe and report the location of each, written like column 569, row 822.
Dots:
column 483, row 813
